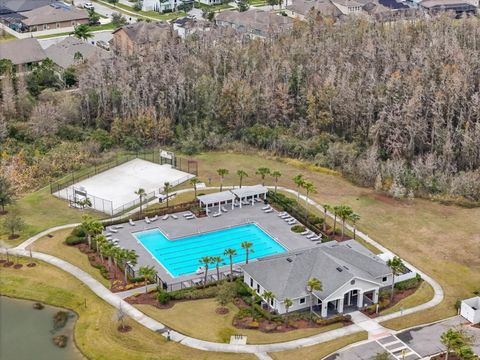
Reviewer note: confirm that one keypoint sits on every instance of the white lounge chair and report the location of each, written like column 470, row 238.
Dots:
column 165, row 217
column 155, row 218
column 113, row 230
column 315, row 238
column 217, row 214
column 147, row 220
column 285, row 216
column 306, row 232
column 118, row 226
column 311, row 235
column 224, row 209
column 258, row 200
column 175, row 217
column 287, row 219
column 266, row 207
column 292, row 222
column 268, row 211
column 131, row 222
column 187, row 214
column 190, row 217
column 282, row 213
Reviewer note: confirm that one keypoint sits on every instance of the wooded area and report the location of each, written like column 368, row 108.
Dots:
column 394, row 106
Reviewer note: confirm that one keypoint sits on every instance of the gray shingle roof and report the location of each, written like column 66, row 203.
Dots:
column 24, row 5
column 303, row 7
column 63, row 53
column 22, row 51
column 334, row 264
column 255, row 20
column 145, row 32
column 52, row 14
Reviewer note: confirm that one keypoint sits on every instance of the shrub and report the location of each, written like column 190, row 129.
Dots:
column 225, row 334
column 163, row 297
column 297, row 228
column 74, row 240
column 409, row 284
column 103, row 271
column 315, row 220
column 194, row 293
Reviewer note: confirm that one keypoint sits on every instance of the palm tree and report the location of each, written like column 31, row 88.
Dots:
column 248, row 249
column 222, row 173
column 194, row 181
column 110, row 251
column 92, row 227
column 288, row 303
column 298, row 180
column 82, row 32
column 276, row 174
column 326, row 208
column 217, row 260
column 354, row 218
column 396, row 265
column 166, row 188
column 313, row 284
column 148, row 273
column 344, row 213
column 263, row 171
column 310, row 189
column 453, row 339
column 99, row 240
column 141, row 194
column 128, row 257
column 268, row 296
column 241, row 174
column 230, row 253
column 206, row 260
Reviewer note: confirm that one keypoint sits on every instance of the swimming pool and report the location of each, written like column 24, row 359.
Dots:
column 180, row 256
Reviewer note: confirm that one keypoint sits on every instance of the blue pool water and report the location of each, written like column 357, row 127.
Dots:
column 181, row 256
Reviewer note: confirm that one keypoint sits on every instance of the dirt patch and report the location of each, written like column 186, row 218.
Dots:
column 451, row 356
column 13, row 237
column 7, row 263
column 17, row 266
column 30, row 265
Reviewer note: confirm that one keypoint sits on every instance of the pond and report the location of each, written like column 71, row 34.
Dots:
column 26, row 333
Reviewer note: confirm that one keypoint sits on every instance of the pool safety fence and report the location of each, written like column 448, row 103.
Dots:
column 197, row 281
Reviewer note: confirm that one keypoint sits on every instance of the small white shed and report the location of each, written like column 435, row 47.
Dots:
column 470, row 309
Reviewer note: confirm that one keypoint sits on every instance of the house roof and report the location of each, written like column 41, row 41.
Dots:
column 334, row 264
column 53, row 13
column 145, row 32
column 303, row 7
column 255, row 20
column 23, row 5
column 428, row 4
column 63, row 53
column 22, row 51
column 347, row 3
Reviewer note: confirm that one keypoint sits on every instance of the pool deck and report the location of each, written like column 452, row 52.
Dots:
column 274, row 226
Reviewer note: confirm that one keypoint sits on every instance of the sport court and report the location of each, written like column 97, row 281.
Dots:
column 118, row 185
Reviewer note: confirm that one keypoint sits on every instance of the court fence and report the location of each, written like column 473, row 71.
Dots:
column 64, row 187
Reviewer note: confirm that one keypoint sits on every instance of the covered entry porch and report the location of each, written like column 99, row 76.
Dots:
column 352, row 300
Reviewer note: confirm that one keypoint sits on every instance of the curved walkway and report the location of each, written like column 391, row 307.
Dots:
column 117, row 301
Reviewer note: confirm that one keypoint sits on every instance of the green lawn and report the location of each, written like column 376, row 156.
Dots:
column 423, row 294
column 40, row 211
column 101, row 27
column 199, row 319
column 6, row 37
column 96, row 332
column 56, row 246
column 214, row 8
column 129, row 11
column 317, row 352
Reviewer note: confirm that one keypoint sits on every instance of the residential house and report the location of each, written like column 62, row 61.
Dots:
column 187, row 25
column 351, row 277
column 164, row 5
column 348, row 7
column 255, row 22
column 11, row 10
column 53, row 16
column 71, row 51
column 457, row 6
column 302, row 8
column 135, row 38
column 22, row 53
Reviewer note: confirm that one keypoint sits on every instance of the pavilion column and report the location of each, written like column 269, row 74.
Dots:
column 324, row 311
column 360, row 299
column 340, row 306
column 253, row 200
column 219, row 206
column 206, row 208
column 233, row 203
column 375, row 296
column 241, row 199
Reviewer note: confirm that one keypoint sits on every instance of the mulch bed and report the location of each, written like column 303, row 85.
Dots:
column 150, row 299
column 116, row 275
column 13, row 237
column 399, row 295
column 124, row 328
column 222, row 310
column 451, row 356
column 30, row 265
column 7, row 263
column 17, row 266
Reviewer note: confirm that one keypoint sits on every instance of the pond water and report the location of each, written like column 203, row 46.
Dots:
column 26, row 333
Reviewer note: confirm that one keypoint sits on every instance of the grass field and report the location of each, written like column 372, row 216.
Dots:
column 6, row 37
column 55, row 246
column 198, row 319
column 423, row 294
column 128, row 10
column 441, row 240
column 41, row 211
column 319, row 351
column 95, row 332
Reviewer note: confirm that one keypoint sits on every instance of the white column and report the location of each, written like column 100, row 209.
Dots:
column 375, row 296
column 206, row 208
column 360, row 299
column 349, row 298
column 340, row 306
column 233, row 202
column 219, row 206
column 241, row 199
column 324, row 309
column 253, row 200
